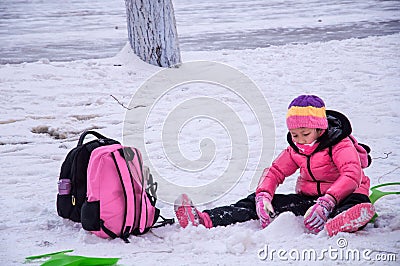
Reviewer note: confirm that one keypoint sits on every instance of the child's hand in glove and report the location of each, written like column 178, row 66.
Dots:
column 317, row 215
column 264, row 208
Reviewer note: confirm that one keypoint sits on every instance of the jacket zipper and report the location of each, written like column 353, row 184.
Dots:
column 312, row 176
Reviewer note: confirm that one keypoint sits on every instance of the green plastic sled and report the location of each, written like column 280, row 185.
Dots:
column 377, row 194
column 61, row 259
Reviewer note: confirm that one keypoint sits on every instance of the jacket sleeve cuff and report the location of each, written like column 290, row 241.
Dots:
column 341, row 190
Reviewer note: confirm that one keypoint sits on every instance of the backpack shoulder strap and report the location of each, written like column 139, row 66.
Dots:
column 164, row 222
column 135, row 165
column 150, row 185
column 128, row 190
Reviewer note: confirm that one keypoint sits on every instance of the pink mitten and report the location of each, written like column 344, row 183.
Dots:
column 264, row 208
column 317, row 215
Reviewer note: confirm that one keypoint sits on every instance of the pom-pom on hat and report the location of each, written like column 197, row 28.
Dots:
column 307, row 111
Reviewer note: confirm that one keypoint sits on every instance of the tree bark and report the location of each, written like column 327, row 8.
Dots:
column 152, row 31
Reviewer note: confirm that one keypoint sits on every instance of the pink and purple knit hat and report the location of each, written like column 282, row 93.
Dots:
column 306, row 111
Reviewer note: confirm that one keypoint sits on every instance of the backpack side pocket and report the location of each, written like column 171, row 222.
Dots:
column 90, row 216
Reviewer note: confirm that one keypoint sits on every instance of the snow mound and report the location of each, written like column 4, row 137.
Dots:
column 126, row 57
column 285, row 224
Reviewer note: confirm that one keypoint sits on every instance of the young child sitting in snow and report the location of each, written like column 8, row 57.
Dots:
column 331, row 191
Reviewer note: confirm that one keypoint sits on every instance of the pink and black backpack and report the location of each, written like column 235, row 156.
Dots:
column 72, row 182
column 120, row 200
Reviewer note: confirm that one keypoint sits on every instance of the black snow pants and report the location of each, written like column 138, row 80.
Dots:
column 245, row 209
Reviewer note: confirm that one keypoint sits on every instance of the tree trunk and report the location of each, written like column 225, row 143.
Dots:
column 152, row 31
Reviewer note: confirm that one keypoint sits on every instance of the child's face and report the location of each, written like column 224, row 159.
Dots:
column 304, row 135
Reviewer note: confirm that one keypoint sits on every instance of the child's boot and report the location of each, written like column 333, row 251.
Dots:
column 351, row 220
column 186, row 212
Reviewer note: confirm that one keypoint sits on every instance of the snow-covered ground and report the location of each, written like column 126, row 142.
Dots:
column 45, row 105
column 356, row 76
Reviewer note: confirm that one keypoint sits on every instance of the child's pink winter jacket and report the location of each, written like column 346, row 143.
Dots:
column 339, row 174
